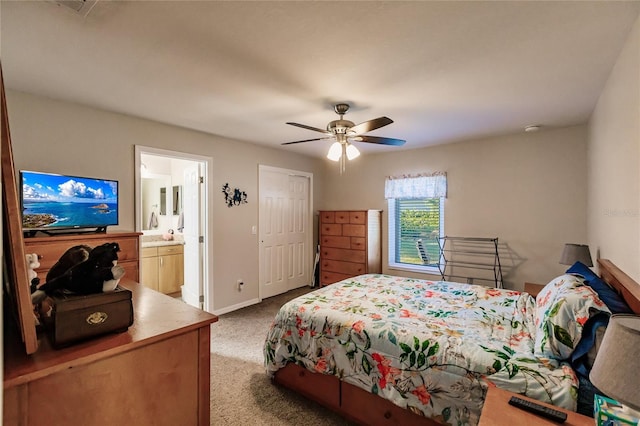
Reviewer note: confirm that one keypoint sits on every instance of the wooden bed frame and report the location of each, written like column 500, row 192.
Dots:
column 621, row 282
column 366, row 408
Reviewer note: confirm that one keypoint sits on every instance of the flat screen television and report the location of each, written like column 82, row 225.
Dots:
column 53, row 203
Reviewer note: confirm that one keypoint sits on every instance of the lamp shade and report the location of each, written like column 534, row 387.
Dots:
column 335, row 152
column 352, row 152
column 573, row 253
column 616, row 370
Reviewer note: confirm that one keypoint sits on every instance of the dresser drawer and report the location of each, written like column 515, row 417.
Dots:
column 348, row 268
column 343, row 254
column 331, row 229
column 332, row 277
column 131, row 269
column 128, row 249
column 358, row 243
column 335, row 241
column 358, row 217
column 342, row 217
column 351, row 230
column 327, row 217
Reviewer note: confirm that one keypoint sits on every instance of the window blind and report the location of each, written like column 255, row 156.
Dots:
column 417, row 227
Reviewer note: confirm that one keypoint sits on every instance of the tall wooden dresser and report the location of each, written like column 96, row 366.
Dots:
column 350, row 244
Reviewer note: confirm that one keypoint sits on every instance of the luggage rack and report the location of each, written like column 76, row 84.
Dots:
column 470, row 258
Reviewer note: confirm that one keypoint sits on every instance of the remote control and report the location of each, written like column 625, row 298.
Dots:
column 541, row 410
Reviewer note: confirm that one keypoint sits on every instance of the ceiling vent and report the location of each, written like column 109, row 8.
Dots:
column 81, row 7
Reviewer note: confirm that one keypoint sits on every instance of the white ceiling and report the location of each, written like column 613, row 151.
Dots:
column 443, row 71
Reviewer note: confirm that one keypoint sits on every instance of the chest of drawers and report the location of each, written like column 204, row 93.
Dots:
column 350, row 244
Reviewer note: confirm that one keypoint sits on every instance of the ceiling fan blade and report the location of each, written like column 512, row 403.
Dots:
column 379, row 140
column 307, row 140
column 304, row 126
column 370, row 125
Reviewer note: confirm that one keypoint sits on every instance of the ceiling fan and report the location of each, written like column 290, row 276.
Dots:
column 344, row 132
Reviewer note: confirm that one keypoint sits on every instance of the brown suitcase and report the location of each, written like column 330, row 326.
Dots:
column 78, row 317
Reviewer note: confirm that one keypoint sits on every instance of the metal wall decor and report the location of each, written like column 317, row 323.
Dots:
column 235, row 197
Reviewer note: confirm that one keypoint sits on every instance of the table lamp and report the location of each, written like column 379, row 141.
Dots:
column 576, row 252
column 616, row 370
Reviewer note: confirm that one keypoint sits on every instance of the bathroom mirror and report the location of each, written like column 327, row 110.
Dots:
column 163, row 201
column 155, row 203
column 177, row 200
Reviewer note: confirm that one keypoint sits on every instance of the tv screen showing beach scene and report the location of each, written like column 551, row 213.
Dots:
column 52, row 201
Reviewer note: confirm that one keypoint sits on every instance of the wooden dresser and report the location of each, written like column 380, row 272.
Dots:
column 155, row 373
column 49, row 249
column 350, row 244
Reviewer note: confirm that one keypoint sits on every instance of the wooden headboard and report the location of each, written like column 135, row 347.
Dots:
column 626, row 286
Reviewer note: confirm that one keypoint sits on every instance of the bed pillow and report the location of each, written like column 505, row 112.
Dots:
column 608, row 295
column 563, row 307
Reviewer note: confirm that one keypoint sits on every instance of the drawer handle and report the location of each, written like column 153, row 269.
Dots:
column 387, row 415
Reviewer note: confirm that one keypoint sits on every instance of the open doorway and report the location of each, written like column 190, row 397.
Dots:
column 172, row 203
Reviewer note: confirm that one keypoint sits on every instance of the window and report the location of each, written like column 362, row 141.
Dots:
column 416, row 213
column 414, row 228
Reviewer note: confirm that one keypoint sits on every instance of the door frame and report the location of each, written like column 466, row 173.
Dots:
column 206, row 217
column 312, row 251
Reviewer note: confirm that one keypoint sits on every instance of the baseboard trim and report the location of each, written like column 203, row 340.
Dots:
column 236, row 307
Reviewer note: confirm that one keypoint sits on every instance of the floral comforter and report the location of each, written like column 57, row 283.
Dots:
column 431, row 347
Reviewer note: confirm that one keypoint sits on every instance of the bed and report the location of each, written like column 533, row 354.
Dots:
column 393, row 350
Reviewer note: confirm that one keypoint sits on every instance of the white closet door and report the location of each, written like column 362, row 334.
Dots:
column 298, row 249
column 284, row 236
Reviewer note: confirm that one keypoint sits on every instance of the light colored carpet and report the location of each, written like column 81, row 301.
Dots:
column 241, row 391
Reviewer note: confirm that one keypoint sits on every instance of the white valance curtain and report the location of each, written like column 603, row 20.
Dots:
column 432, row 185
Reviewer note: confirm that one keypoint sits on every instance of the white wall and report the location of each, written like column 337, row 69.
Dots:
column 614, row 163
column 60, row 137
column 526, row 189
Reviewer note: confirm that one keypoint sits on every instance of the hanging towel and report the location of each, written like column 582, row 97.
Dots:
column 153, row 221
column 180, row 226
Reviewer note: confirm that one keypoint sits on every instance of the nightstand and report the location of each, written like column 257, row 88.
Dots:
column 497, row 411
column 533, row 289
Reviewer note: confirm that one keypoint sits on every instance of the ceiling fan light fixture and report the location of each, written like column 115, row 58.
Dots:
column 343, row 131
column 352, row 152
column 335, row 152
